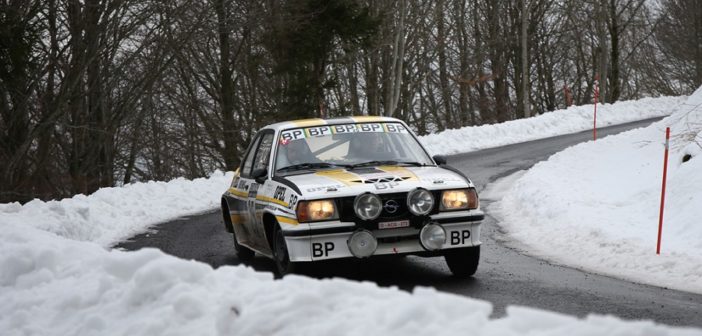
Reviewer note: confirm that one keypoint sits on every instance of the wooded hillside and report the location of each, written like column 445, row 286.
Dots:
column 98, row 93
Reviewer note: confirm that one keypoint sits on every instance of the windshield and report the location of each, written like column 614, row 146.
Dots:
column 349, row 146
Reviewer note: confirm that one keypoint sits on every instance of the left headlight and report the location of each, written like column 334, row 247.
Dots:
column 420, row 202
column 459, row 199
column 312, row 211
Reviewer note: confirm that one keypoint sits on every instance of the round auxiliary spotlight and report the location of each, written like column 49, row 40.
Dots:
column 432, row 236
column 367, row 206
column 362, row 244
column 420, row 201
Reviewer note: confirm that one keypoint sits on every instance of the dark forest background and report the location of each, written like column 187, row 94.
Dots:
column 98, row 93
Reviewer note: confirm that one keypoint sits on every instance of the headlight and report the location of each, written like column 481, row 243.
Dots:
column 420, row 201
column 310, row 211
column 459, row 199
column 367, row 206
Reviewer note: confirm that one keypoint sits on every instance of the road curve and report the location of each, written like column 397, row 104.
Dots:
column 505, row 277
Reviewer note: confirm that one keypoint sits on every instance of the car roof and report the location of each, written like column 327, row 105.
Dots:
column 334, row 121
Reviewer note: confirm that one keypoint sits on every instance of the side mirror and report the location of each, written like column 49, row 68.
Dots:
column 439, row 159
column 259, row 175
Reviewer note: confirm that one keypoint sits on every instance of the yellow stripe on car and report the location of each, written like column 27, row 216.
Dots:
column 309, row 122
column 367, row 119
column 286, row 220
column 400, row 171
column 340, row 175
column 237, row 192
column 271, row 200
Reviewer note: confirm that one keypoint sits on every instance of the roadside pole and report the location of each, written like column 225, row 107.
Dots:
column 665, row 173
column 594, row 122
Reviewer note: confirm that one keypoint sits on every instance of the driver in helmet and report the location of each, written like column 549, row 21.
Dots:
column 295, row 152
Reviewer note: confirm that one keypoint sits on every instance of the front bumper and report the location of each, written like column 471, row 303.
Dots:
column 329, row 240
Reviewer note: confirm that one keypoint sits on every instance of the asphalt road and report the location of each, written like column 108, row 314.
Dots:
column 506, row 276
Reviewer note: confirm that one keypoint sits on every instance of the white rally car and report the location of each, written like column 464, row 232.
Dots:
column 354, row 187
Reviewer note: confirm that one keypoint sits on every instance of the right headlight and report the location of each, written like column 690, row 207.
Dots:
column 367, row 206
column 459, row 199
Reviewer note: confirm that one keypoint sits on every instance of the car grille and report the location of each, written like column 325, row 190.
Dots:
column 347, row 213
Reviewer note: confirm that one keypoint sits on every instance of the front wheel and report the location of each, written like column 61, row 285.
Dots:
column 281, row 257
column 463, row 262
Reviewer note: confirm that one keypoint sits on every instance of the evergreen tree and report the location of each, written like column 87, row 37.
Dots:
column 305, row 34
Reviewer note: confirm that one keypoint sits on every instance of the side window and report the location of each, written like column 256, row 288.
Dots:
column 248, row 161
column 263, row 153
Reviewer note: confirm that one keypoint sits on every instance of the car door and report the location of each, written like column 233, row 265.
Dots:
column 240, row 201
column 256, row 206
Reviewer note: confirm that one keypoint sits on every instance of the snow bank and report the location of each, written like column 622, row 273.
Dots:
column 595, row 205
column 50, row 285
column 571, row 120
column 113, row 214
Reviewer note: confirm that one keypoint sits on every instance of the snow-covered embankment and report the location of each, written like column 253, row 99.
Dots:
column 595, row 205
column 570, row 120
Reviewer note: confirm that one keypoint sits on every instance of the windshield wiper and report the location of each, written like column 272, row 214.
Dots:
column 386, row 163
column 412, row 163
column 373, row 163
column 309, row 165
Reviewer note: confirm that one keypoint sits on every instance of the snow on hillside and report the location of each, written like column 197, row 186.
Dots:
column 595, row 205
column 571, row 120
column 51, row 285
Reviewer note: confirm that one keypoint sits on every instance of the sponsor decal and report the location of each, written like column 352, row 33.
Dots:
column 293, row 201
column 279, row 193
column 318, row 131
column 459, row 237
column 326, row 187
column 322, row 249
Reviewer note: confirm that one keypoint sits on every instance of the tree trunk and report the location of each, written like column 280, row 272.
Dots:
column 525, row 60
column 443, row 71
column 397, row 62
column 226, row 84
column 614, row 85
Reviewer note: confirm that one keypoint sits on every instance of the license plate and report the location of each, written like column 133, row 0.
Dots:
column 393, row 225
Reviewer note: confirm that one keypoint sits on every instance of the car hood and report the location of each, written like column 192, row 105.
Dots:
column 380, row 180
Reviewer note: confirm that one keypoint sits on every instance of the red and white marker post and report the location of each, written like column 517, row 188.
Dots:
column 665, row 173
column 594, row 122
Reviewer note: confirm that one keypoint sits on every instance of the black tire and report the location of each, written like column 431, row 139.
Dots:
column 463, row 262
column 283, row 265
column 242, row 252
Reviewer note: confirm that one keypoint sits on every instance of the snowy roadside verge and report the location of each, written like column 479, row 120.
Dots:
column 595, row 206
column 114, row 214
column 50, row 285
column 571, row 120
